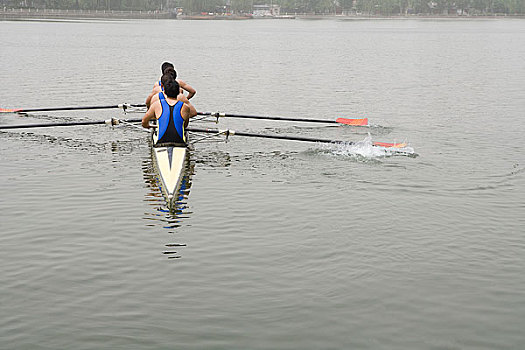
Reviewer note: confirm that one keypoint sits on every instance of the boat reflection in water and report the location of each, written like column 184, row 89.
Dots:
column 173, row 210
column 172, row 215
column 168, row 211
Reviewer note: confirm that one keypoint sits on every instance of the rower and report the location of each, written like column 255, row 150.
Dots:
column 157, row 87
column 171, row 112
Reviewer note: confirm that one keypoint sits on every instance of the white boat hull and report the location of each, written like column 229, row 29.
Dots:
column 169, row 163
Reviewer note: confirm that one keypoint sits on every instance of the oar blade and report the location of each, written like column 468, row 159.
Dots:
column 7, row 110
column 353, row 122
column 390, row 144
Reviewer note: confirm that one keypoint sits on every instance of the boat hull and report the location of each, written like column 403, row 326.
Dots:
column 169, row 162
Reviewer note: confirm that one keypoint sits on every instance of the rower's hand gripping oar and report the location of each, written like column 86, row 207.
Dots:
column 352, row 122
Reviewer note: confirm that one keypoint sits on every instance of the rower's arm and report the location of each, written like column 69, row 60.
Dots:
column 192, row 110
column 183, row 98
column 185, row 86
column 150, row 115
column 152, row 100
column 151, row 97
column 188, row 111
column 148, row 99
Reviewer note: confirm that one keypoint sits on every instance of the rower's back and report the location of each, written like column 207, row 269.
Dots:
column 168, row 112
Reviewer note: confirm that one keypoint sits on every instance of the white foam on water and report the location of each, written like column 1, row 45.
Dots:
column 366, row 150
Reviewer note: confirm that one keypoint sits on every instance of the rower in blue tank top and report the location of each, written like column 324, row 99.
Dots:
column 170, row 122
column 172, row 111
column 167, row 67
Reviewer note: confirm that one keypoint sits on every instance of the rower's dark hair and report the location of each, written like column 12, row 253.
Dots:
column 168, row 76
column 171, row 70
column 171, row 87
column 166, row 65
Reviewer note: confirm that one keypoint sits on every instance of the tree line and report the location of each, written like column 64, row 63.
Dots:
column 321, row 7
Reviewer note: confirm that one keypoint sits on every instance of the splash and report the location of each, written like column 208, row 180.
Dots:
column 366, row 150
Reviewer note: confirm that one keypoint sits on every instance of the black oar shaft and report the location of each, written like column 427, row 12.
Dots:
column 74, row 108
column 50, row 125
column 279, row 137
column 228, row 115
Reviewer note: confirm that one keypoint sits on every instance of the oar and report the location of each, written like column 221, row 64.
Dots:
column 228, row 132
column 124, row 106
column 112, row 121
column 25, row 110
column 354, row 122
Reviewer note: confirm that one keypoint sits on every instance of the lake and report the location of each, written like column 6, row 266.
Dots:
column 275, row 244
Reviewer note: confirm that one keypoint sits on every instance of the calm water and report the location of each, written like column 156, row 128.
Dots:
column 275, row 244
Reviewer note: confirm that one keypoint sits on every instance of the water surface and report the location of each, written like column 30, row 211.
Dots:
column 275, row 244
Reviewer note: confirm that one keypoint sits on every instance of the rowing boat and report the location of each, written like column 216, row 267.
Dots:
column 169, row 162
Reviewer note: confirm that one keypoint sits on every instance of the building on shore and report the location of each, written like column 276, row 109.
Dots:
column 266, row 10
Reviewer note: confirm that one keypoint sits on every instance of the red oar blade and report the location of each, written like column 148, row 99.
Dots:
column 7, row 110
column 354, row 122
column 389, row 144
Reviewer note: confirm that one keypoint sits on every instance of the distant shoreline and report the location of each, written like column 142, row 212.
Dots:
column 28, row 14
column 23, row 14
